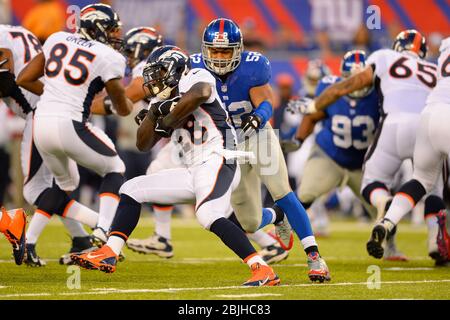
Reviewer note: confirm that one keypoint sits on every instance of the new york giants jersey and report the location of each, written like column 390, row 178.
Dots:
column 207, row 129
column 24, row 47
column 441, row 93
column 349, row 127
column 234, row 91
column 405, row 80
column 76, row 69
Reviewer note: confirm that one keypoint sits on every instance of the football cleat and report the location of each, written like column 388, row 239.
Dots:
column 15, row 233
column 79, row 244
column 273, row 253
column 103, row 259
column 443, row 240
column 318, row 269
column 32, row 259
column 262, row 276
column 155, row 244
column 391, row 253
column 375, row 245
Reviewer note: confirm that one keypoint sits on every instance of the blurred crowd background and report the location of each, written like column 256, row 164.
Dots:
column 289, row 32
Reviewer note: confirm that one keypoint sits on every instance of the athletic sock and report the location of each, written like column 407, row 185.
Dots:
column 116, row 244
column 262, row 238
column 76, row 211
column 163, row 218
column 38, row 222
column 127, row 217
column 400, row 206
column 254, row 258
column 107, row 210
column 75, row 228
column 268, row 216
column 233, row 237
column 298, row 218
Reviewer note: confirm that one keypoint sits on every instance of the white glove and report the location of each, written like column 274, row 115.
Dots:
column 303, row 106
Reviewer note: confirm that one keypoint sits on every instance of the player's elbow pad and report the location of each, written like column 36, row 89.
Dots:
column 264, row 110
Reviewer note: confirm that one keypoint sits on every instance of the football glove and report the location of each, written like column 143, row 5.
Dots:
column 108, row 105
column 291, row 145
column 303, row 106
column 162, row 130
column 140, row 116
column 250, row 124
column 7, row 80
column 163, row 107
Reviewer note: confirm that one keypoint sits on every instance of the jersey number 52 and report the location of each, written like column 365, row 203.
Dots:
column 55, row 64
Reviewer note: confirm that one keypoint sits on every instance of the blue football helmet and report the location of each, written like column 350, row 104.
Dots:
column 164, row 69
column 224, row 34
column 354, row 61
column 101, row 23
column 140, row 42
column 411, row 40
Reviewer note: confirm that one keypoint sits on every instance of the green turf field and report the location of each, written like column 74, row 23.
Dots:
column 204, row 269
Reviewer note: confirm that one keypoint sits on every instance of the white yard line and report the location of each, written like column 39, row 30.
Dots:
column 103, row 291
column 251, row 295
column 407, row 269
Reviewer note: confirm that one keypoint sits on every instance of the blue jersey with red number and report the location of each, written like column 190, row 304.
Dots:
column 234, row 89
column 349, row 127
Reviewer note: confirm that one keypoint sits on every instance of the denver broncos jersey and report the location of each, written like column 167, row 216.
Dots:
column 24, row 47
column 76, row 69
column 234, row 91
column 405, row 80
column 349, row 127
column 207, row 129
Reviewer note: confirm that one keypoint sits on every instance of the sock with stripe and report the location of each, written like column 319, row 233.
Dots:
column 37, row 224
column 163, row 218
column 268, row 216
column 233, row 237
column 405, row 199
column 76, row 211
column 375, row 193
column 127, row 217
column 109, row 199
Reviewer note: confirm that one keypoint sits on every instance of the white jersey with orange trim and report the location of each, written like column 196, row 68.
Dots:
column 24, row 47
column 405, row 80
column 441, row 93
column 75, row 70
column 207, row 130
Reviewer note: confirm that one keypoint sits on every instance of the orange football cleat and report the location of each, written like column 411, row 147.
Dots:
column 14, row 230
column 262, row 276
column 103, row 259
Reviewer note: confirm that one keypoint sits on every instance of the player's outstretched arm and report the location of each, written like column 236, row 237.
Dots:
column 133, row 91
column 28, row 78
column 120, row 104
column 199, row 93
column 339, row 89
column 307, row 125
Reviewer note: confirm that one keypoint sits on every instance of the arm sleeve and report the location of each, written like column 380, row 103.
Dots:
column 138, row 69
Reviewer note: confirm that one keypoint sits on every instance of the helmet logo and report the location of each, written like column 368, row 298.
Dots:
column 221, row 38
column 94, row 15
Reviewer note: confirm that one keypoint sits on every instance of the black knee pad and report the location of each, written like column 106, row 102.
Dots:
column 433, row 204
column 112, row 183
column 53, row 201
column 414, row 189
column 371, row 187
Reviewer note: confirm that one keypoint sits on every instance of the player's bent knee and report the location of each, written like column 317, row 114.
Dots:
column 53, row 201
column 112, row 183
column 414, row 189
column 206, row 218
